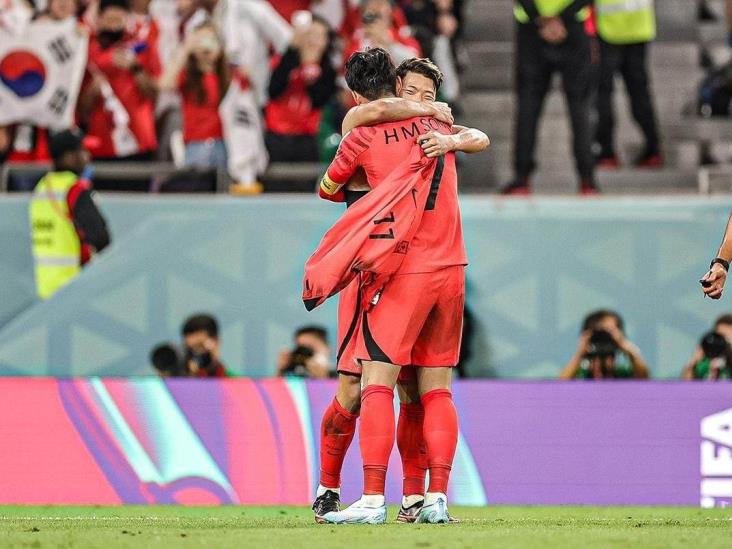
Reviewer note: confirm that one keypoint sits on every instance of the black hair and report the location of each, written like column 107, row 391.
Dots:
column 317, row 331
column 724, row 319
column 371, row 73
column 123, row 4
column 593, row 319
column 423, row 66
column 201, row 323
column 66, row 141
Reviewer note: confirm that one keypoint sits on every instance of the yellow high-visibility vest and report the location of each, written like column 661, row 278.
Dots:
column 56, row 246
column 625, row 21
column 548, row 8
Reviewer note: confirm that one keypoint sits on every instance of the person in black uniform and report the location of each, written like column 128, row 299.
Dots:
column 548, row 42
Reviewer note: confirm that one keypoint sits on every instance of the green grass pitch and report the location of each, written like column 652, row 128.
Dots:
column 293, row 527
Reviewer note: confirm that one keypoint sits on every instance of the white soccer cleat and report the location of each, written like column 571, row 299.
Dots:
column 361, row 512
column 434, row 510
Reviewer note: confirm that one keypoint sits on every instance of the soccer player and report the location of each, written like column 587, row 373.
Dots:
column 416, row 319
column 417, row 82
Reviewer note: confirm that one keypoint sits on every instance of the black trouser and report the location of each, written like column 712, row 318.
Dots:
column 630, row 61
column 536, row 63
column 291, row 148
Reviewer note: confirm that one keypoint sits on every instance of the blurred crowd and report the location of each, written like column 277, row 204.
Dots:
column 224, row 83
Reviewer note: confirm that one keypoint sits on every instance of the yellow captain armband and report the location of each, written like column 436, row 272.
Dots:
column 328, row 186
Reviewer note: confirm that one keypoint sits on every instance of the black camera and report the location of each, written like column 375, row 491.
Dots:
column 601, row 345
column 714, row 345
column 172, row 360
column 298, row 357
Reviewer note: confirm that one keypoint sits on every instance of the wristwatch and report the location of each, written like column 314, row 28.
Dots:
column 723, row 262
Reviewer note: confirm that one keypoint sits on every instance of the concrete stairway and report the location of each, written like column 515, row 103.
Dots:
column 488, row 103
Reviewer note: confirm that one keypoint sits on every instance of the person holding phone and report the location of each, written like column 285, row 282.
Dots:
column 303, row 81
column 117, row 101
column 200, row 72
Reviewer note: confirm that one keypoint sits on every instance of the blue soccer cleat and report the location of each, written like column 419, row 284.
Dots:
column 434, row 510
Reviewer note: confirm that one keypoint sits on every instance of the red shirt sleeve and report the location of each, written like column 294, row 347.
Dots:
column 345, row 164
column 150, row 59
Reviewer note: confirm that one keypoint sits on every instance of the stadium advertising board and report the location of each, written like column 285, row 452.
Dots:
column 241, row 441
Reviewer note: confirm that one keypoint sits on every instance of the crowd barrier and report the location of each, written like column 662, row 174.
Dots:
column 241, row 441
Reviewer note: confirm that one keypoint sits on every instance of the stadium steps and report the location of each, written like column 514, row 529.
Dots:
column 489, row 171
column 488, row 103
column 492, row 65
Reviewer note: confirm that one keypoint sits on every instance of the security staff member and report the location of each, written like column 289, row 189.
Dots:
column 65, row 223
column 551, row 38
column 625, row 27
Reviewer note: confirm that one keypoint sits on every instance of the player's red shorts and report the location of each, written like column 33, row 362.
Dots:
column 417, row 320
column 349, row 316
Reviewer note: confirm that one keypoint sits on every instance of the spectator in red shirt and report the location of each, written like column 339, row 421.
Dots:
column 200, row 72
column 302, row 82
column 141, row 24
column 378, row 29
column 118, row 99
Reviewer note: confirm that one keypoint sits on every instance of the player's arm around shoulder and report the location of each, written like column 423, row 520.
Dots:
column 468, row 140
column 394, row 109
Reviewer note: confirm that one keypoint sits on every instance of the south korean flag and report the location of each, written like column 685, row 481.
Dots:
column 40, row 73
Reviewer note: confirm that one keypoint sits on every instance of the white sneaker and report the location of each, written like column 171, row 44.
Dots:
column 361, row 512
column 434, row 510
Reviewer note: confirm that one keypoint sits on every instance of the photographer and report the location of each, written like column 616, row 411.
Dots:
column 200, row 354
column 310, row 356
column 603, row 351
column 712, row 359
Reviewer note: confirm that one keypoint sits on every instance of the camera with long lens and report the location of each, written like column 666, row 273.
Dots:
column 601, row 345
column 714, row 345
column 296, row 365
column 173, row 361
column 717, row 353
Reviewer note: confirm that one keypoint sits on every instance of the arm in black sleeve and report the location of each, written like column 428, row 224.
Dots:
column 280, row 78
column 530, row 9
column 90, row 223
column 324, row 87
column 569, row 13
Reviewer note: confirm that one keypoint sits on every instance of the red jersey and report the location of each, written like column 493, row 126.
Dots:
column 140, row 109
column 201, row 120
column 292, row 113
column 438, row 243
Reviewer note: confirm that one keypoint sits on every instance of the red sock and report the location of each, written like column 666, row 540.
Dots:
column 377, row 435
column 336, row 433
column 412, row 448
column 440, row 434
